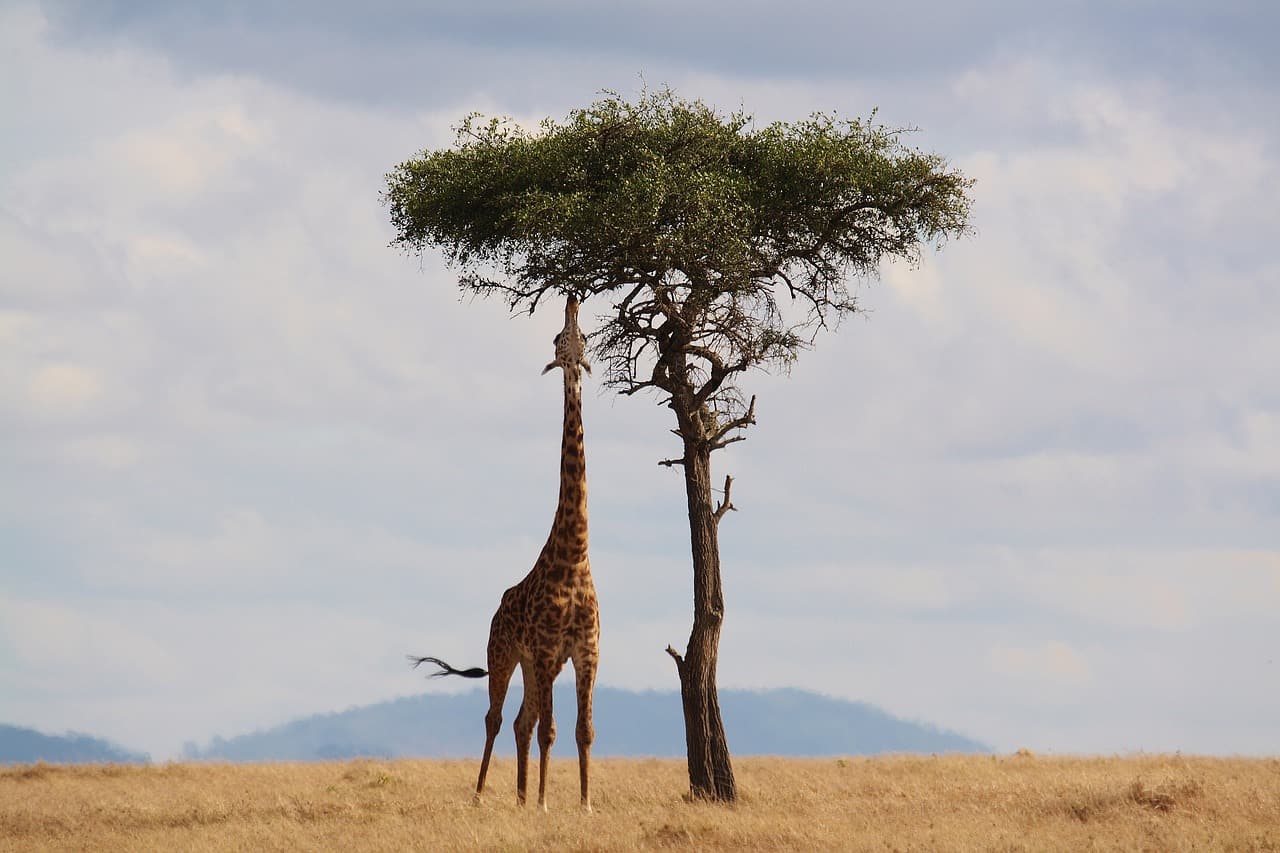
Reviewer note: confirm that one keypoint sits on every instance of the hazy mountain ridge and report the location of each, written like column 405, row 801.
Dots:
column 19, row 745
column 628, row 723
column 758, row 722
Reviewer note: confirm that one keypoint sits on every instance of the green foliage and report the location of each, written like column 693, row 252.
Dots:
column 691, row 221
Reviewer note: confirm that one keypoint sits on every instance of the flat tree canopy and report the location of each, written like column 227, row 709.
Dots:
column 719, row 246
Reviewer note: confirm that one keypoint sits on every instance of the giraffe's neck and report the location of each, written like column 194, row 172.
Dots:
column 570, row 527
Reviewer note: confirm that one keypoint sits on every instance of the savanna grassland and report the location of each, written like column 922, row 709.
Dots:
column 905, row 803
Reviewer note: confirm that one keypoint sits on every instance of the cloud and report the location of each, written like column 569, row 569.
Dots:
column 59, row 650
column 57, row 389
column 384, row 50
column 1054, row 664
column 105, row 451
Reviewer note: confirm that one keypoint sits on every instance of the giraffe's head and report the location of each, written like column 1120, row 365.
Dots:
column 571, row 344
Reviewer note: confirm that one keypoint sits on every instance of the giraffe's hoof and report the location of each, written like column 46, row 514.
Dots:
column 475, row 800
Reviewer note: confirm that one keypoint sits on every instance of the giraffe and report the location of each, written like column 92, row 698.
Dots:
column 551, row 616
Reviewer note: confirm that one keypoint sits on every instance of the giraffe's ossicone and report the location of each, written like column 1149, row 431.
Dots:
column 551, row 616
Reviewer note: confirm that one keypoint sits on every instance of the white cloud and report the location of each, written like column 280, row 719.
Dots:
column 1054, row 663
column 58, row 645
column 105, row 451
column 62, row 389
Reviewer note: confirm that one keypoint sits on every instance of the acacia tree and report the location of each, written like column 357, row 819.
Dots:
column 720, row 247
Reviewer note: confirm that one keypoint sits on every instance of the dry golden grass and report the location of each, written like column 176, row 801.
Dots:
column 1023, row 802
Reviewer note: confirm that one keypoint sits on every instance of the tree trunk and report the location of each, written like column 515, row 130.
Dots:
column 710, row 770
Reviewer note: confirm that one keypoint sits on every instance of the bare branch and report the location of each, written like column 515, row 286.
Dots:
column 748, row 418
column 675, row 656
column 637, row 387
column 716, row 445
column 710, row 355
column 726, row 504
column 670, row 462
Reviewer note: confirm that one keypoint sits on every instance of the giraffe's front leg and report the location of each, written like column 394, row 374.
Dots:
column 525, row 721
column 546, row 734
column 584, row 671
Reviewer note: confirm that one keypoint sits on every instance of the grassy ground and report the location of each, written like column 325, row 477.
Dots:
column 1163, row 803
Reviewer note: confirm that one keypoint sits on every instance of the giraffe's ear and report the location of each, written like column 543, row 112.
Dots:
column 549, row 366
column 586, row 365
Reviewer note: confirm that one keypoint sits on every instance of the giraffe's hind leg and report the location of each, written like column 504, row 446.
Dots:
column 500, row 669
column 525, row 721
column 545, row 677
column 584, row 672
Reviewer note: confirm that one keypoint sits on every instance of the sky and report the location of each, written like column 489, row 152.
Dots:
column 251, row 456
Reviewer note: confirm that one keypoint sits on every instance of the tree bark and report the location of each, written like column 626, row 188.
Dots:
column 710, row 769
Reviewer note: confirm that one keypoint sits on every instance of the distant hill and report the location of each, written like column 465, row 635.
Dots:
column 758, row 722
column 25, row 746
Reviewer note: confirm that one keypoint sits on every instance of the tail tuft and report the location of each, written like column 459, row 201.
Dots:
column 445, row 669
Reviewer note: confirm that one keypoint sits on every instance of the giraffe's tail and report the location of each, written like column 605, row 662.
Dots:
column 445, row 669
